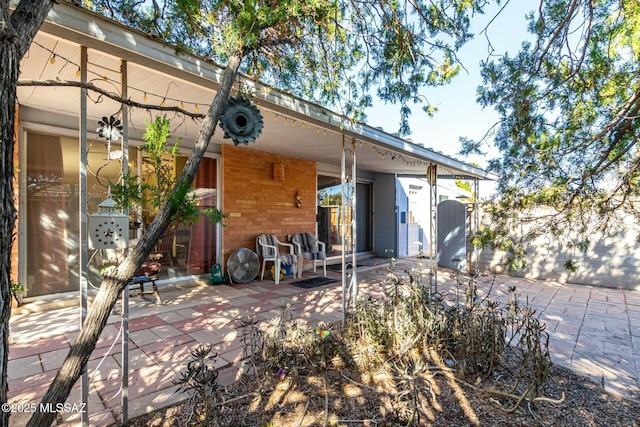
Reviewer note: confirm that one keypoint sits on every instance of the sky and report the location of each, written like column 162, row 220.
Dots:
column 459, row 114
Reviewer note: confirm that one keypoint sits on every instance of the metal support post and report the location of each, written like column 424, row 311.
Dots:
column 348, row 225
column 125, row 292
column 84, row 381
column 432, row 178
column 476, row 223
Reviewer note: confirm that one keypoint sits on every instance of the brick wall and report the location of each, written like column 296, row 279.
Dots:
column 16, row 165
column 257, row 204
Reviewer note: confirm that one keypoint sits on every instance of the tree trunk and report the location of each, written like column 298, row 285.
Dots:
column 111, row 287
column 8, row 78
column 17, row 30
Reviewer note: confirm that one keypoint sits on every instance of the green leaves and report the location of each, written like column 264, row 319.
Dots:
column 568, row 132
column 161, row 179
column 335, row 52
column 128, row 193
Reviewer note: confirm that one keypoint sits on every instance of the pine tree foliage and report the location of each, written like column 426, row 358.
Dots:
column 338, row 53
column 569, row 104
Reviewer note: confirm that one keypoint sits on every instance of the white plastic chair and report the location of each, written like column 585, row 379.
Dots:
column 310, row 248
column 268, row 247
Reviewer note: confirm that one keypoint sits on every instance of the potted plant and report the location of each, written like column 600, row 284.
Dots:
column 17, row 291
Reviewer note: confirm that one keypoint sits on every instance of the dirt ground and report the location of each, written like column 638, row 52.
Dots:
column 432, row 398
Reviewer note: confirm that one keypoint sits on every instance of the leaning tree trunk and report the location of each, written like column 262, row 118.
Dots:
column 112, row 286
column 17, row 30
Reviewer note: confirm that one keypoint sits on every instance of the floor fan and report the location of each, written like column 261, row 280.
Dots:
column 243, row 266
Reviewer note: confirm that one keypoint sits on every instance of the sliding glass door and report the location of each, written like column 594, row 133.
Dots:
column 187, row 249
column 329, row 214
column 50, row 235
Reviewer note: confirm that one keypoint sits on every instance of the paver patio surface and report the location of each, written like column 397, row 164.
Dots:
column 594, row 331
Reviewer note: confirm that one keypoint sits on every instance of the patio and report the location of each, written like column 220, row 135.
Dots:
column 594, row 331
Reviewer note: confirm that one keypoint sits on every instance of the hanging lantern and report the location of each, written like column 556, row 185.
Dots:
column 241, row 120
column 108, row 228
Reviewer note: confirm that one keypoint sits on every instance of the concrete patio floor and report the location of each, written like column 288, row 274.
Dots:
column 594, row 331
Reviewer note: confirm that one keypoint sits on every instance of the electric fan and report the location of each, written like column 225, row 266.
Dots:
column 243, row 265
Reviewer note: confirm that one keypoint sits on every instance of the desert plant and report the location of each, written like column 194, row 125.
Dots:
column 200, row 381
column 292, row 346
column 528, row 336
column 471, row 336
column 411, row 336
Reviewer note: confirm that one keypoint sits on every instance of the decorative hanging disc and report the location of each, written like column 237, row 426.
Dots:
column 110, row 128
column 241, row 120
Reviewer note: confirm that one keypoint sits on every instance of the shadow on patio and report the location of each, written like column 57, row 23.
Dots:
column 594, row 331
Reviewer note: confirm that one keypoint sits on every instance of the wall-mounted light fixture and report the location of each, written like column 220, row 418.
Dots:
column 278, row 172
column 298, row 200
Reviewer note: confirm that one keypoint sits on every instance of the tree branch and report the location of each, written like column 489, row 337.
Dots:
column 111, row 95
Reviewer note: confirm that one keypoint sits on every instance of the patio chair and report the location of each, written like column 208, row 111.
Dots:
column 310, row 248
column 148, row 272
column 164, row 247
column 268, row 247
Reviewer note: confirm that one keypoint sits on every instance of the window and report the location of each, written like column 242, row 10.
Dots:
column 52, row 219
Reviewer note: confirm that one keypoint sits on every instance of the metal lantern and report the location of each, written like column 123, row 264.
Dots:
column 108, row 228
column 241, row 120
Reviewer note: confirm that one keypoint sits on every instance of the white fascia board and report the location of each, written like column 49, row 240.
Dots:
column 92, row 30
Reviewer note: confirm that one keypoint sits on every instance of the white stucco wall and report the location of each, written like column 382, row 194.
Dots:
column 609, row 261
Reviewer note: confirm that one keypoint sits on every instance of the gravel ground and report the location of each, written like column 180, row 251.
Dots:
column 379, row 399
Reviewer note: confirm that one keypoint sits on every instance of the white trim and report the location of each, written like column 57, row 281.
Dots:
column 21, row 241
column 66, row 132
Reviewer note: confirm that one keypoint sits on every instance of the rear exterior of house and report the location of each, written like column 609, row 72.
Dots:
column 309, row 171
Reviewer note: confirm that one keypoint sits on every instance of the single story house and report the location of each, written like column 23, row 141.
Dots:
column 288, row 181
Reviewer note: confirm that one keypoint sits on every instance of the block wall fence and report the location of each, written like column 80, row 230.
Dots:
column 610, row 261
column 257, row 203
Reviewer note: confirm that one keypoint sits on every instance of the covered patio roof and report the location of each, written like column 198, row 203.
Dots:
column 157, row 75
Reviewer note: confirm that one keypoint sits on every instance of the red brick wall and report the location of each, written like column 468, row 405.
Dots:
column 16, row 165
column 257, row 204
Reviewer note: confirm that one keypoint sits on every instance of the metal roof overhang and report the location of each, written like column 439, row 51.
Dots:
column 293, row 127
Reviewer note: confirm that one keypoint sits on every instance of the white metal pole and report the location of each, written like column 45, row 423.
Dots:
column 84, row 381
column 432, row 177
column 354, row 234
column 476, row 220
column 125, row 292
column 342, row 216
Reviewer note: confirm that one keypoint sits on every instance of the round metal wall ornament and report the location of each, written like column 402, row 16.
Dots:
column 241, row 120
